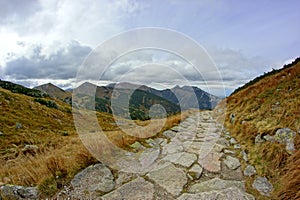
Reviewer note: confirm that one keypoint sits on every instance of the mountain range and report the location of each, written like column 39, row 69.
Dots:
column 139, row 97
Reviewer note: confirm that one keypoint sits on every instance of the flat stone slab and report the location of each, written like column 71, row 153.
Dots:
column 183, row 159
column 232, row 162
column 174, row 146
column 215, row 184
column 136, row 189
column 170, row 178
column 211, row 162
column 94, row 179
column 229, row 193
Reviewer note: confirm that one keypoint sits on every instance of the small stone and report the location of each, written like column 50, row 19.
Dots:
column 1, row 133
column 169, row 134
column 269, row 138
column 195, row 171
column 226, row 151
column 237, row 146
column 259, row 140
column 284, row 134
column 262, row 185
column 32, row 149
column 244, row 155
column 18, row 125
column 175, row 128
column 137, row 146
column 249, row 170
column 232, row 141
column 232, row 162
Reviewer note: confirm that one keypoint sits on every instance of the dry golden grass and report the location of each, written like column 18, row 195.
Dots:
column 61, row 153
column 262, row 108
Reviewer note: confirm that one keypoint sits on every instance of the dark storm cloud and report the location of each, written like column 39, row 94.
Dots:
column 62, row 64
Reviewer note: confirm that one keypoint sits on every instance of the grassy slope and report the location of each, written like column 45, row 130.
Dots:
column 61, row 154
column 267, row 104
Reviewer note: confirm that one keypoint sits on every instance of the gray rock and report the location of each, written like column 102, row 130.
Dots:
column 225, row 194
column 148, row 157
column 223, row 142
column 269, row 138
column 211, row 162
column 94, row 179
column 18, row 125
column 226, row 151
column 183, row 158
column 286, row 136
column 169, row 134
column 1, row 133
column 19, row 192
column 174, row 146
column 232, row 162
column 262, row 185
column 175, row 128
column 244, row 155
column 124, row 177
column 170, row 178
column 232, row 141
column 237, row 146
column 30, row 149
column 249, row 170
column 258, row 139
column 195, row 171
column 136, row 189
column 216, row 184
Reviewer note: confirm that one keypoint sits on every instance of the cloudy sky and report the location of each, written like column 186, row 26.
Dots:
column 48, row 40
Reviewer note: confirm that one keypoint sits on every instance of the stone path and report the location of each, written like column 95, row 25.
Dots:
column 193, row 161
